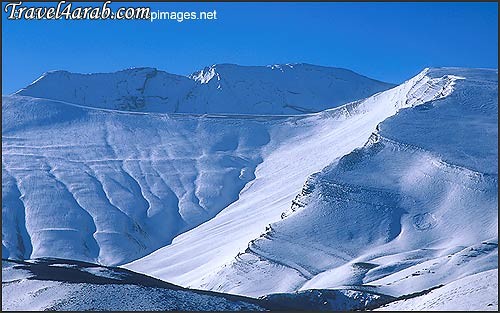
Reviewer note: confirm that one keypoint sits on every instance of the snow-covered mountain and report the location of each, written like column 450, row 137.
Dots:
column 389, row 195
column 128, row 183
column 223, row 88
column 414, row 208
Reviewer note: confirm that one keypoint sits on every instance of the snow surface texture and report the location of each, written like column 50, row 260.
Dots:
column 395, row 205
column 56, row 284
column 76, row 286
column 478, row 292
column 222, row 88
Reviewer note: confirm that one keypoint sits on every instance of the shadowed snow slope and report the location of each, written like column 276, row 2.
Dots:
column 112, row 186
column 224, row 88
column 109, row 187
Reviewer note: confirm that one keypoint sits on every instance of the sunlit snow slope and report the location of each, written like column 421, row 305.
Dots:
column 205, row 256
column 414, row 208
column 477, row 292
column 221, row 88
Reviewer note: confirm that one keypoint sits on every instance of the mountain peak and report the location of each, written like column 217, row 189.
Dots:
column 205, row 75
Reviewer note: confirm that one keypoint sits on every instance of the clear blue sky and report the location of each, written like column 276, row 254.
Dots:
column 386, row 41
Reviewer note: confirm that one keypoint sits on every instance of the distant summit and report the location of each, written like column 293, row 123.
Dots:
column 220, row 88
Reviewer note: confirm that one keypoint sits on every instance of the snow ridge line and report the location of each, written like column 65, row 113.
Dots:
column 21, row 227
column 446, row 84
column 439, row 88
column 376, row 137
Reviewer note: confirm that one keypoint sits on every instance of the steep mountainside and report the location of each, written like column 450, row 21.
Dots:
column 277, row 182
column 414, row 208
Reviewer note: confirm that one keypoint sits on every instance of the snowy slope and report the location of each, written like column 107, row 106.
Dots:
column 138, row 89
column 111, row 186
column 224, row 88
column 57, row 284
column 478, row 292
column 278, row 180
column 64, row 285
column 415, row 208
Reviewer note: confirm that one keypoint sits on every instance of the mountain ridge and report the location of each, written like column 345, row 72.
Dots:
column 236, row 89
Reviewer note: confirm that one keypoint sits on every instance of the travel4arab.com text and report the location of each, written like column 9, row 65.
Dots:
column 104, row 11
